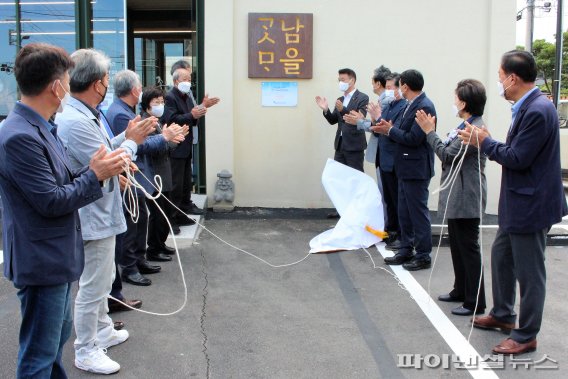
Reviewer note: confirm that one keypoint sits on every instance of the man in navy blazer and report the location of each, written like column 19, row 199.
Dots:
column 414, row 166
column 41, row 193
column 350, row 143
column 531, row 201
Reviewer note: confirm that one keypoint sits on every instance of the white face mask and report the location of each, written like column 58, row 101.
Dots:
column 157, row 110
column 456, row 110
column 184, row 87
column 389, row 93
column 502, row 88
column 140, row 98
column 63, row 102
column 400, row 93
column 343, row 86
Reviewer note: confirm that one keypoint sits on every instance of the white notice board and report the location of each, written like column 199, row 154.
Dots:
column 279, row 94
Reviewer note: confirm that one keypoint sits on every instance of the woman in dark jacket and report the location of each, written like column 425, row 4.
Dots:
column 467, row 199
column 152, row 104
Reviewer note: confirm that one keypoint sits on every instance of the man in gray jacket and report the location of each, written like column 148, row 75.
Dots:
column 82, row 134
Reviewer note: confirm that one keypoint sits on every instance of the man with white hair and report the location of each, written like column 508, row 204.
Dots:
column 82, row 134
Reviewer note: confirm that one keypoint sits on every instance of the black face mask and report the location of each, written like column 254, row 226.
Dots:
column 103, row 95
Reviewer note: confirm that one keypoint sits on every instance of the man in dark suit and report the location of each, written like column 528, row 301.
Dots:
column 531, row 201
column 350, row 143
column 41, row 193
column 386, row 152
column 182, row 109
column 414, row 166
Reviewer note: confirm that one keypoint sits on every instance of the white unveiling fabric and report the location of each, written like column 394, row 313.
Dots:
column 357, row 199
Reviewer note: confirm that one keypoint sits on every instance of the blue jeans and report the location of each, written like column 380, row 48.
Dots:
column 46, row 326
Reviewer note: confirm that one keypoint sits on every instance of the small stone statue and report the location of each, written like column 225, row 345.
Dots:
column 224, row 192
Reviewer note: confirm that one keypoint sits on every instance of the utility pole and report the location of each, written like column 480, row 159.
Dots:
column 18, row 27
column 530, row 26
column 558, row 63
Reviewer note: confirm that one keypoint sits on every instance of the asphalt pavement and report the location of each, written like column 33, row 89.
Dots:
column 329, row 316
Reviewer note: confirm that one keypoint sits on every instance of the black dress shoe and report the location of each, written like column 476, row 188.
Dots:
column 194, row 210
column 137, row 279
column 398, row 259
column 184, row 220
column 462, row 311
column 417, row 264
column 449, row 298
column 176, row 229
column 168, row 250
column 393, row 245
column 115, row 306
column 333, row 215
column 118, row 325
column 147, row 268
column 158, row 257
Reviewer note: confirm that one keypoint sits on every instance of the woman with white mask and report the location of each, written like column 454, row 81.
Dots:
column 463, row 203
column 152, row 104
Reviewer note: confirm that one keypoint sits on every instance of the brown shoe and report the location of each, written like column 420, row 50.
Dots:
column 510, row 346
column 115, row 306
column 490, row 322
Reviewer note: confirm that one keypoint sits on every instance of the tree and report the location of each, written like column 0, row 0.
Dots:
column 545, row 56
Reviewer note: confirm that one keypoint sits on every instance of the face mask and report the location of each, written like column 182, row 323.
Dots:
column 456, row 110
column 400, row 93
column 63, row 102
column 157, row 110
column 501, row 88
column 343, row 86
column 104, row 94
column 184, row 87
column 389, row 93
column 140, row 98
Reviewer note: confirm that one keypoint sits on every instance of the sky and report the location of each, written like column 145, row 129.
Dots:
column 544, row 23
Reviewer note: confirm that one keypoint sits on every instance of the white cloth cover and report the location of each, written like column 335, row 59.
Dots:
column 357, row 199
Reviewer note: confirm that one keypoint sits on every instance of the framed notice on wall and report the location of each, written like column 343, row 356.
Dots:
column 279, row 94
column 280, row 45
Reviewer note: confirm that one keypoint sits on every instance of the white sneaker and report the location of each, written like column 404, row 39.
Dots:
column 95, row 360
column 116, row 337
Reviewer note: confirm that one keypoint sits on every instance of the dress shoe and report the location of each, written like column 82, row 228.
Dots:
column 398, row 259
column 115, row 306
column 158, row 257
column 194, row 210
column 168, row 250
column 175, row 229
column 449, row 298
column 490, row 322
column 333, row 215
column 184, row 220
column 118, row 325
column 137, row 279
column 417, row 264
column 510, row 346
column 463, row 311
column 147, row 268
column 393, row 245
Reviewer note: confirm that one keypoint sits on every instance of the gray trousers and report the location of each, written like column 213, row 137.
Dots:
column 92, row 321
column 519, row 257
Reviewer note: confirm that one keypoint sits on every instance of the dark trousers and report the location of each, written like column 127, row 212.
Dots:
column 180, row 194
column 414, row 218
column 466, row 259
column 158, row 228
column 353, row 159
column 46, row 326
column 134, row 240
column 390, row 197
column 519, row 257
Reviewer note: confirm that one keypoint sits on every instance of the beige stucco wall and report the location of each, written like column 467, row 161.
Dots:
column 277, row 154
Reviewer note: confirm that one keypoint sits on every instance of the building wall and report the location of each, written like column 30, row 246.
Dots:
column 277, row 155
